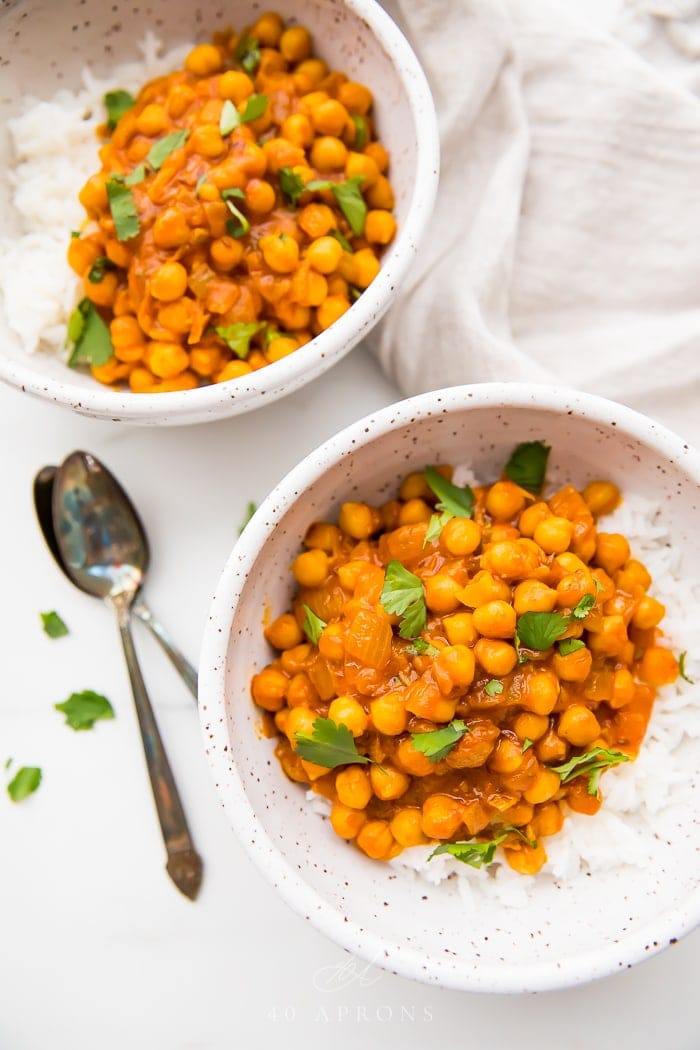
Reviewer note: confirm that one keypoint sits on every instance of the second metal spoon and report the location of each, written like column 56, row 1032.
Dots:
column 43, row 495
column 105, row 552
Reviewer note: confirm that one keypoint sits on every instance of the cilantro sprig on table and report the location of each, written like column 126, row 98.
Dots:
column 24, row 783
column 53, row 625
column 82, row 710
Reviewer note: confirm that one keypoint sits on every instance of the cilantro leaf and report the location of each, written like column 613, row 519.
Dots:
column 459, row 503
column 248, row 53
column 136, row 176
column 123, row 208
column 25, row 782
column 199, row 183
column 329, row 745
column 682, row 671
column 254, row 108
column 89, row 335
column 570, row 645
column 161, row 150
column 360, row 132
column 291, row 185
column 493, row 687
column 230, row 118
column 527, row 744
column 419, row 647
column 117, row 103
column 240, row 227
column 402, row 595
column 476, row 854
column 540, row 630
column 435, row 526
column 349, row 199
column 582, row 608
column 342, row 241
column 82, row 710
column 53, row 625
column 591, row 764
column 99, row 268
column 527, row 465
column 237, row 336
column 249, row 512
column 438, row 743
column 313, row 625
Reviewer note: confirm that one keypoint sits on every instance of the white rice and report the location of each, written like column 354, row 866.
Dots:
column 637, row 796
column 55, row 151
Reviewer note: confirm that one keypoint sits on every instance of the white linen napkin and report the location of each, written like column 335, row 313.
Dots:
column 565, row 245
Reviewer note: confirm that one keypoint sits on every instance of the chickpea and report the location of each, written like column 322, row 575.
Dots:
column 328, row 153
column 166, row 360
column 495, row 656
column 457, row 663
column 169, row 282
column 441, row 816
column 548, row 820
column 380, row 225
column 324, row 254
column 574, row 667
column 601, row 497
column 268, row 29
column 406, row 827
column 348, row 712
column 412, row 761
column 533, row 596
column 441, row 593
column 300, row 721
column 381, row 195
column 361, row 164
column 649, row 613
column 358, row 520
column 355, row 97
column 460, row 629
column 482, row 589
column 346, row 822
column 544, row 788
column 612, row 551
column 495, row 619
column 551, row 748
column 531, row 517
column 529, row 726
column 316, row 220
column 152, row 120
column 331, row 309
column 353, row 787
column 460, row 536
column 269, row 689
column 578, row 725
column 310, row 568
column 280, row 252
column 414, row 486
column 204, row 60
column 284, row 632
column 554, row 534
column 388, row 783
column 624, row 689
column 541, row 692
column 526, row 859
column 295, row 43
column 658, row 666
column 233, row 370
column 170, row 229
column 388, row 714
column 507, row 756
column 505, row 500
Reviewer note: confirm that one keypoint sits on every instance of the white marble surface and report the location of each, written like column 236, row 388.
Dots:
column 98, row 949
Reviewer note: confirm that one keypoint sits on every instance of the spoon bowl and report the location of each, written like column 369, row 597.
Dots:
column 43, row 505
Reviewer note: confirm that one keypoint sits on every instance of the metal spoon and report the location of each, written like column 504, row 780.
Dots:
column 43, row 493
column 105, row 553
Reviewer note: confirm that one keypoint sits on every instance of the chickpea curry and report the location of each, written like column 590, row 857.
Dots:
column 241, row 207
column 460, row 666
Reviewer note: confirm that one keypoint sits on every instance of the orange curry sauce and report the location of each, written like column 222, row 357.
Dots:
column 518, row 554
column 226, row 235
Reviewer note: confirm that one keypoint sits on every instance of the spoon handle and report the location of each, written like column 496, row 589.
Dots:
column 184, row 863
column 177, row 659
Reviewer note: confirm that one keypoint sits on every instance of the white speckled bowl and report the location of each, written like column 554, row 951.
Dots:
column 47, row 46
column 419, row 931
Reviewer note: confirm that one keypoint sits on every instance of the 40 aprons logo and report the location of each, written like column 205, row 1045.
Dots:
column 351, row 976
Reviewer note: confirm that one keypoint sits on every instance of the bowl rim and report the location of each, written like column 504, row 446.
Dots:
column 650, row 938
column 317, row 356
